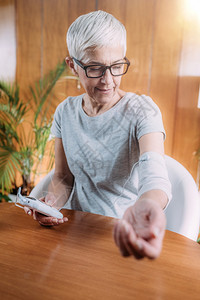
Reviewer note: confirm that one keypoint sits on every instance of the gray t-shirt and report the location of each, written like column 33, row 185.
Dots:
column 103, row 151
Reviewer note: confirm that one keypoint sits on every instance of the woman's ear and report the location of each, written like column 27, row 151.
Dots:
column 69, row 61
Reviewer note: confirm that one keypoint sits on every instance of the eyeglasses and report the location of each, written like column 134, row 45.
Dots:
column 97, row 71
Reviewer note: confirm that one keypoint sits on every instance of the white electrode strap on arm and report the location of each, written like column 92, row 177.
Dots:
column 153, row 174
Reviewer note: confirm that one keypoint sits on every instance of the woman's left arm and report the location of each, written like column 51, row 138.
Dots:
column 141, row 230
column 153, row 142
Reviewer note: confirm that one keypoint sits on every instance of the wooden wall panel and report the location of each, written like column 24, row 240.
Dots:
column 4, row 3
column 28, row 32
column 137, row 16
column 28, row 23
column 114, row 7
column 55, row 22
column 187, row 126
column 165, row 62
column 77, row 8
column 139, row 24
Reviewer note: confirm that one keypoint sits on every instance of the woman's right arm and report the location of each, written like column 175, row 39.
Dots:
column 62, row 183
column 59, row 189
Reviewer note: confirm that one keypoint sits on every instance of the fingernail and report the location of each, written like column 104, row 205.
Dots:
column 126, row 227
column 61, row 221
column 54, row 220
column 29, row 212
column 48, row 202
column 156, row 232
column 139, row 245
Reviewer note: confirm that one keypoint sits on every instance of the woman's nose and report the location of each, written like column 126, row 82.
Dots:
column 107, row 77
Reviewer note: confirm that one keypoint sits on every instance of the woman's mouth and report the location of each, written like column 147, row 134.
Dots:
column 104, row 91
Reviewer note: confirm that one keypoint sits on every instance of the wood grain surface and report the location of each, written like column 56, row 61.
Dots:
column 28, row 31
column 79, row 260
column 166, row 52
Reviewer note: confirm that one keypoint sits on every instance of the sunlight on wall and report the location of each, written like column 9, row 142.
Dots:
column 190, row 56
column 190, row 62
column 193, row 8
column 7, row 43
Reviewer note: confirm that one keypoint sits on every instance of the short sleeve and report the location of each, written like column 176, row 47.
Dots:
column 56, row 125
column 149, row 118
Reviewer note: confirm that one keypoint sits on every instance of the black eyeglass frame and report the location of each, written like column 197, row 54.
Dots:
column 105, row 67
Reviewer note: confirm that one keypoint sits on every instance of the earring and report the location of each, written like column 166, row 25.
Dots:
column 78, row 84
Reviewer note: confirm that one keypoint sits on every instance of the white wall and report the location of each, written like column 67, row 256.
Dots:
column 7, row 42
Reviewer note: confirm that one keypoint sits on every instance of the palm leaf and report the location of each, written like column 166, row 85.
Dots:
column 44, row 88
column 9, row 162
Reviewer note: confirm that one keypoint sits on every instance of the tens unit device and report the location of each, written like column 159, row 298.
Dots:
column 38, row 205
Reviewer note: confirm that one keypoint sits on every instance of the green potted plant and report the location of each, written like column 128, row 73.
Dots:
column 20, row 151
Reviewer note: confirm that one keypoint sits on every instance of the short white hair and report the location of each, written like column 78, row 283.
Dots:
column 92, row 30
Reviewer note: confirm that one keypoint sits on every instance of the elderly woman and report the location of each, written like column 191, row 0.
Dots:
column 109, row 153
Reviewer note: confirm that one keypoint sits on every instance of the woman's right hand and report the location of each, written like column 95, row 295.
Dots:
column 42, row 219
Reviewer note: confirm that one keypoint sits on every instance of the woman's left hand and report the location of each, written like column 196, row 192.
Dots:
column 141, row 230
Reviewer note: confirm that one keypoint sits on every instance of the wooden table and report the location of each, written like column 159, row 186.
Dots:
column 79, row 260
